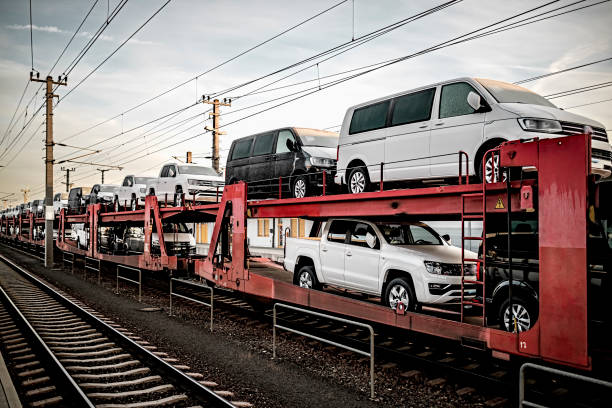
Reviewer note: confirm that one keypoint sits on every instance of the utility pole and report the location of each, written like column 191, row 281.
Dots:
column 49, row 215
column 215, row 128
column 67, row 182
column 25, row 192
column 189, row 158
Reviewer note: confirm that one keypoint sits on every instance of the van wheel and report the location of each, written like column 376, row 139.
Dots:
column 300, row 187
column 399, row 290
column 523, row 316
column 358, row 180
column 305, row 277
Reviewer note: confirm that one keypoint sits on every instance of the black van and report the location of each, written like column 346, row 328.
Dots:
column 78, row 199
column 296, row 156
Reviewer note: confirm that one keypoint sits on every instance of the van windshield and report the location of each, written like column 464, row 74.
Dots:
column 323, row 139
column 508, row 93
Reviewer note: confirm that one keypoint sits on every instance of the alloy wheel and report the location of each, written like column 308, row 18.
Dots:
column 521, row 321
column 299, row 188
column 398, row 294
column 116, row 205
column 179, row 199
column 133, row 205
column 492, row 172
column 357, row 182
column 305, row 280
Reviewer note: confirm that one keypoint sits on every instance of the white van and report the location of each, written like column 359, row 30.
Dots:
column 418, row 134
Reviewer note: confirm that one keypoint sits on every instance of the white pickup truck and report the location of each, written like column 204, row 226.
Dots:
column 132, row 192
column 194, row 182
column 405, row 262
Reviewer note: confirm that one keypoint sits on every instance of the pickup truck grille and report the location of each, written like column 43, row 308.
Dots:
column 179, row 248
column 601, row 154
column 208, row 183
column 576, row 129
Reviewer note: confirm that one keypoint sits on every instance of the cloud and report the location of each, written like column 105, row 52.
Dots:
column 47, row 29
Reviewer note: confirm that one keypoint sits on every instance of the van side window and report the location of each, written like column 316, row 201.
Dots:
column 242, row 149
column 281, row 143
column 369, row 118
column 453, row 100
column 263, row 144
column 412, row 108
column 338, row 230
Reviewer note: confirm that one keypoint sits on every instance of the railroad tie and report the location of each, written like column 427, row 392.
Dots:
column 129, row 363
column 175, row 399
column 121, row 384
column 48, row 401
column 100, row 376
column 131, row 394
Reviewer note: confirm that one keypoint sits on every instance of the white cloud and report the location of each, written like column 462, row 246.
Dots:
column 47, row 29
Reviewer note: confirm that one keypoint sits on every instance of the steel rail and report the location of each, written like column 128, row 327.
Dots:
column 194, row 389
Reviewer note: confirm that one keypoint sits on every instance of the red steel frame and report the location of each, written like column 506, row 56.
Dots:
column 563, row 164
column 559, row 335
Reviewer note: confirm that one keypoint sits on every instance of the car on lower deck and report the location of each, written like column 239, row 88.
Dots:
column 402, row 262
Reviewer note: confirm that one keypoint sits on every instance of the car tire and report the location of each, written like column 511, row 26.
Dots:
column 178, row 198
column 400, row 290
column 299, row 187
column 116, row 204
column 358, row 180
column 133, row 204
column 524, row 310
column 305, row 277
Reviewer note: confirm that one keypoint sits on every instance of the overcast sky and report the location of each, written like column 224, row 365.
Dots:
column 188, row 37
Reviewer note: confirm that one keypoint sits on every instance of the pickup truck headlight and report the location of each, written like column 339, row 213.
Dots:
column 143, row 190
column 440, row 268
column 540, row 125
column 322, row 162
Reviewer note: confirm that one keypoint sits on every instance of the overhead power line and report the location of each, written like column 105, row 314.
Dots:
column 562, row 71
column 588, row 104
column 208, row 70
column 578, row 90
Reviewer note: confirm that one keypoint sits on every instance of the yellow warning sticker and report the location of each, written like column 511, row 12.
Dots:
column 500, row 204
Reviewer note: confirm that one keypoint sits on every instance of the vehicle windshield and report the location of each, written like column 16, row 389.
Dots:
column 409, row 234
column 509, row 93
column 107, row 189
column 197, row 170
column 142, row 180
column 178, row 227
column 322, row 139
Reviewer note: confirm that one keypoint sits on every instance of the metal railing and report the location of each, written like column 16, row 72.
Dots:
column 524, row 403
column 138, row 282
column 199, row 286
column 333, row 343
column 68, row 261
column 95, row 265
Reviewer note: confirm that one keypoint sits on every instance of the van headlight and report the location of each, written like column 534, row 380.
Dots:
column 540, row 125
column 322, row 162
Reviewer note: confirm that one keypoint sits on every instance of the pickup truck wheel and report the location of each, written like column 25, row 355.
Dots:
column 523, row 317
column 300, row 187
column 305, row 278
column 400, row 290
column 178, row 199
column 358, row 180
column 116, row 205
column 133, row 204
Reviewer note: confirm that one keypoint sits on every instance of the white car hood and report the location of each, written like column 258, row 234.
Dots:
column 106, row 194
column 436, row 253
column 318, row 151
column 525, row 110
column 204, row 178
column 175, row 237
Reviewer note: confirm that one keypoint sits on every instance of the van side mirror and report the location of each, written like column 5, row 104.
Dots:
column 291, row 146
column 447, row 238
column 473, row 99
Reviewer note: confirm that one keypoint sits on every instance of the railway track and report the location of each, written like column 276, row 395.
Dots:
column 61, row 351
column 415, row 358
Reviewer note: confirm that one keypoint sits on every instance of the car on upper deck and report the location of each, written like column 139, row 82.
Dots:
column 178, row 181
column 294, row 157
column 416, row 135
column 132, row 191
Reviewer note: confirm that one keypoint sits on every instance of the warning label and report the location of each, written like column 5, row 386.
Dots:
column 500, row 204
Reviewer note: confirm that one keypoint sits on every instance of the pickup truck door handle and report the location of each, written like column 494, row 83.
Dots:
column 439, row 123
column 423, row 127
column 324, row 249
column 349, row 254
